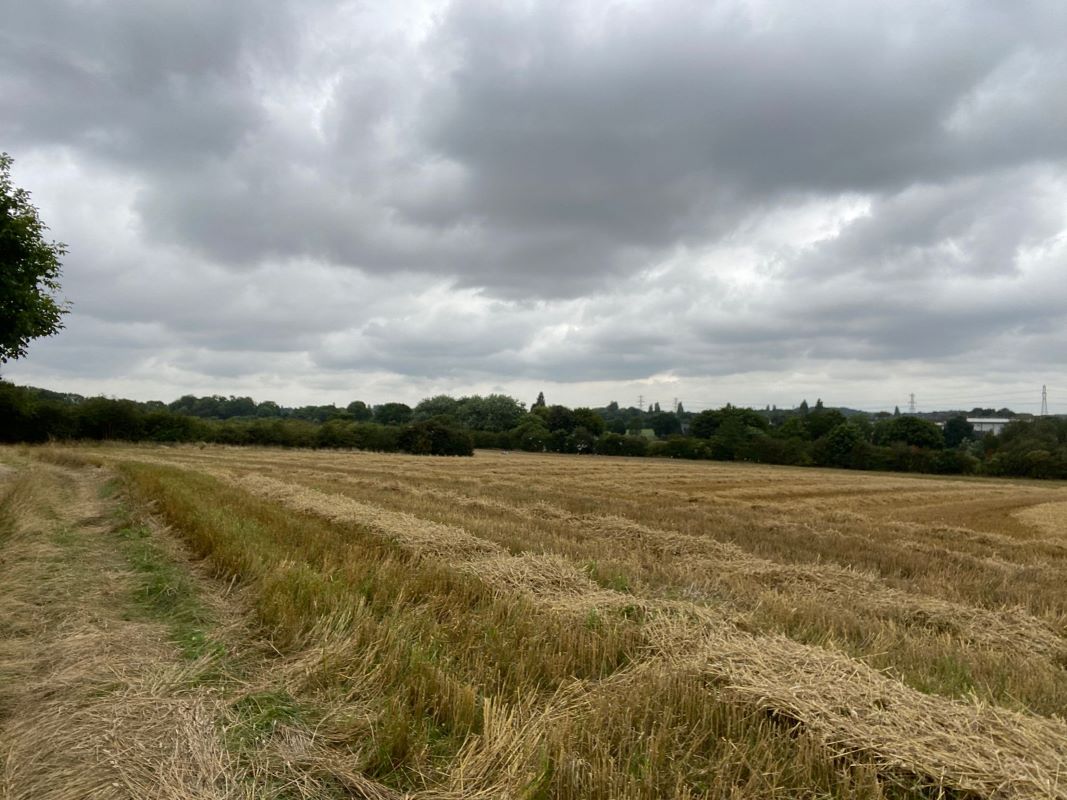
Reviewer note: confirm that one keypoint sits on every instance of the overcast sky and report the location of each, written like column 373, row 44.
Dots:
column 754, row 202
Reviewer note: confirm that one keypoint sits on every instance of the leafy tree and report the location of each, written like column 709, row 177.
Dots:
column 581, row 440
column 268, row 408
column 704, row 424
column 435, row 437
column 438, row 406
column 665, row 423
column 561, row 418
column 102, row 418
column 612, row 444
column 360, row 411
column 792, row 428
column 239, row 407
column 957, row 431
column 707, row 423
column 531, row 434
column 315, row 413
column 910, row 431
column 392, row 414
column 495, row 412
column 820, row 421
column 840, row 444
column 730, row 438
column 540, row 401
column 590, row 420
column 29, row 271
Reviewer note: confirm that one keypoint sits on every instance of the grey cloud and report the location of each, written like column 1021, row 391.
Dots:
column 546, row 191
column 159, row 83
column 531, row 150
column 978, row 226
column 666, row 129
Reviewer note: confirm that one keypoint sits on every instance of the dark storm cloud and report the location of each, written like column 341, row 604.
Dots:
column 528, row 148
column 667, row 122
column 149, row 83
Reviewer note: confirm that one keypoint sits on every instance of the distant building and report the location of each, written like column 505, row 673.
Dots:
column 993, row 425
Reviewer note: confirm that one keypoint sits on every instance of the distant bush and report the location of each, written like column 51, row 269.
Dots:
column 491, row 440
column 435, row 437
column 614, row 444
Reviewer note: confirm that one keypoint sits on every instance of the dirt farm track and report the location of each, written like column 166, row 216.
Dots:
column 209, row 622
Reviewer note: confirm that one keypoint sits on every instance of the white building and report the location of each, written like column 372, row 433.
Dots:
column 993, row 425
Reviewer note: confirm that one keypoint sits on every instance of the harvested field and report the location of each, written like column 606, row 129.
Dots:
column 519, row 625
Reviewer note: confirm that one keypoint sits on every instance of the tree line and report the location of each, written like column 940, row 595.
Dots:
column 444, row 425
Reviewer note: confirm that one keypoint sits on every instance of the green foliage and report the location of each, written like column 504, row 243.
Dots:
column 909, row 430
column 436, row 437
column 30, row 268
column 665, row 423
column 841, row 445
column 531, row 435
column 792, row 428
column 582, row 440
column 1035, row 449
column 392, row 414
column 614, row 444
column 957, row 431
column 165, row 593
column 219, row 407
column 707, row 423
column 683, row 447
column 359, row 411
column 495, row 412
column 560, row 418
column 590, row 420
column 820, row 421
column 437, row 406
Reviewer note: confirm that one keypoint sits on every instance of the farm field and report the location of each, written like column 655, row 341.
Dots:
column 219, row 622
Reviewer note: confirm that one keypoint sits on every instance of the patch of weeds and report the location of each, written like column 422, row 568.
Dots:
column 165, row 593
column 945, row 675
column 401, row 737
column 639, row 765
column 613, row 580
column 593, row 621
column 541, row 787
column 108, row 489
column 7, row 516
column 260, row 713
